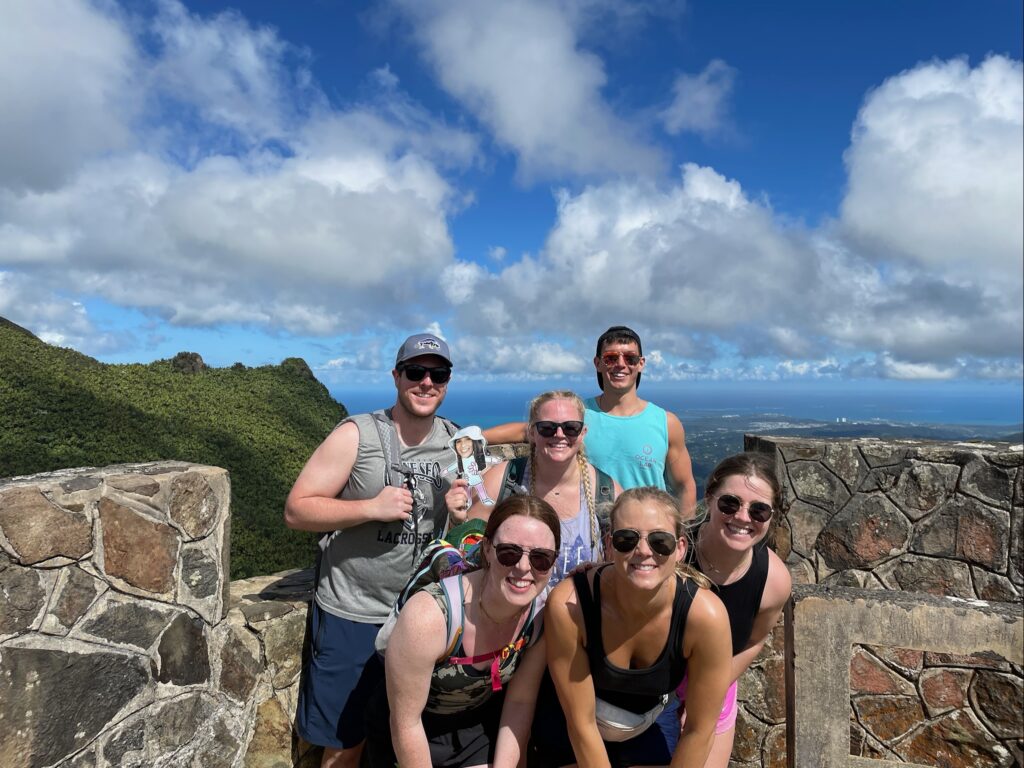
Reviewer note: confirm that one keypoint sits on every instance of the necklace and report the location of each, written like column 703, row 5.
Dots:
column 490, row 618
column 706, row 561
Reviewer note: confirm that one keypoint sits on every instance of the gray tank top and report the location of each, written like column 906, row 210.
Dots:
column 364, row 567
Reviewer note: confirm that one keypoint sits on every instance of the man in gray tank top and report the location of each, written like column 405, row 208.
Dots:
column 374, row 534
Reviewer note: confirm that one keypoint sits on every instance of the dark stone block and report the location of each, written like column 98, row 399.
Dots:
column 989, row 483
column 21, row 597
column 240, row 663
column 44, row 716
column 183, row 652
column 127, row 740
column 76, row 595
column 81, row 483
column 998, row 700
column 869, row 531
column 129, row 622
column 934, row 576
column 965, row 528
column 814, row 484
column 199, row 573
column 955, row 741
column 265, row 611
column 888, row 717
column 137, row 484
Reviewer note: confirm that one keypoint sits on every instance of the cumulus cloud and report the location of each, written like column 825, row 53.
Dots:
column 519, row 66
column 936, row 169
column 284, row 212
column 700, row 103
column 69, row 89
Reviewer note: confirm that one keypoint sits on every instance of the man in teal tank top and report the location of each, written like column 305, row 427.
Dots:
column 633, row 440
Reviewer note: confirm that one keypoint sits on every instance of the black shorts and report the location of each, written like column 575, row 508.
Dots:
column 460, row 739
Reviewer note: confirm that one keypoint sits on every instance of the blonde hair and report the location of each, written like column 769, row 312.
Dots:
column 581, row 456
column 668, row 503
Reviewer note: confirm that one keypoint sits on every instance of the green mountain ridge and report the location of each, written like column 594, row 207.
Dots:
column 60, row 408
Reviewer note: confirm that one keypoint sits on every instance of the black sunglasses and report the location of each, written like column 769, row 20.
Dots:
column 549, row 428
column 662, row 543
column 541, row 560
column 439, row 375
column 759, row 511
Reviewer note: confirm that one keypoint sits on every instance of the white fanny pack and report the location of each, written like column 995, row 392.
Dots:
column 618, row 724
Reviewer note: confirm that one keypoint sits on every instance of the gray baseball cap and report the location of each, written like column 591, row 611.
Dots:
column 423, row 344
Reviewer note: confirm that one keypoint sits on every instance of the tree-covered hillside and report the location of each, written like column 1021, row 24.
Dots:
column 59, row 408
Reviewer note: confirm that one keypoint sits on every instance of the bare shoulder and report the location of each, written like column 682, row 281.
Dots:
column 327, row 470
column 779, row 584
column 422, row 618
column 707, row 610
column 675, row 426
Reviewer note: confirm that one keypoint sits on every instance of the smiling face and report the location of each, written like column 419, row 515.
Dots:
column 420, row 399
column 558, row 448
column 619, row 376
column 464, row 446
column 642, row 567
column 739, row 532
column 520, row 583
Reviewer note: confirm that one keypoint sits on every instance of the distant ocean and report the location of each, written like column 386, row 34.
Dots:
column 974, row 403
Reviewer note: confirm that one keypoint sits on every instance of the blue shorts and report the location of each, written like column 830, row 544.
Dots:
column 343, row 672
column 550, row 738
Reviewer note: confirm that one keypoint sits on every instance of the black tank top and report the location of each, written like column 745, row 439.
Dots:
column 742, row 598
column 634, row 689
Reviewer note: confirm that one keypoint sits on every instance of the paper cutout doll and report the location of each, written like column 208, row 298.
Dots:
column 471, row 461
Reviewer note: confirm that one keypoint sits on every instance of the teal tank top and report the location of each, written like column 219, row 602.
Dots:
column 632, row 449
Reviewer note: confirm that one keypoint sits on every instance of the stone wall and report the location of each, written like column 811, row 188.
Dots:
column 122, row 644
column 112, row 594
column 937, row 518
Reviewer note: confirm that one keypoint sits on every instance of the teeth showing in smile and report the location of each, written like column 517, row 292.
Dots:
column 739, row 530
column 643, row 567
column 518, row 583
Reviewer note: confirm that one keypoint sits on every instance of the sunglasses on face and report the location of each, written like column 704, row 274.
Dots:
column 549, row 428
column 759, row 511
column 541, row 560
column 415, row 372
column 611, row 358
column 625, row 540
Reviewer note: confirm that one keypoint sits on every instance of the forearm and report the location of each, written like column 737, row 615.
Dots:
column 513, row 432
column 321, row 514
column 587, row 744
column 516, row 718
column 694, row 746
column 742, row 660
column 410, row 743
column 687, row 497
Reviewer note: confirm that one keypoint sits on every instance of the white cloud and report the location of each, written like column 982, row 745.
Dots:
column 936, row 169
column 68, row 87
column 352, row 215
column 520, row 68
column 497, row 253
column 700, row 103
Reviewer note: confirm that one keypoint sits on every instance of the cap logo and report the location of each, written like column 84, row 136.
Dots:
column 427, row 344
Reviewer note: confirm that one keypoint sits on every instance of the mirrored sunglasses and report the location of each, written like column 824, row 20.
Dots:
column 611, row 358
column 549, row 428
column 541, row 560
column 759, row 511
column 439, row 375
column 662, row 543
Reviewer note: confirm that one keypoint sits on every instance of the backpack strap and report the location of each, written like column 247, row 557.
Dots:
column 389, row 444
column 532, row 625
column 515, row 471
column 602, row 499
column 451, row 588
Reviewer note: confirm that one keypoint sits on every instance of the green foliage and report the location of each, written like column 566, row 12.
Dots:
column 59, row 408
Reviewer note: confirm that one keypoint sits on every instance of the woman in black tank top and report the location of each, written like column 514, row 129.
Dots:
column 621, row 637
column 731, row 549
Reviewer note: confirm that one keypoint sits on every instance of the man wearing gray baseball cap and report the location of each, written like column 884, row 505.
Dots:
column 374, row 488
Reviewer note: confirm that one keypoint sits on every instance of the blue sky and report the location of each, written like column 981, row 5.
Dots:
column 779, row 191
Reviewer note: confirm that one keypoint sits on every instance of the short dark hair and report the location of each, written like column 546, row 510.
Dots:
column 527, row 506
column 618, row 334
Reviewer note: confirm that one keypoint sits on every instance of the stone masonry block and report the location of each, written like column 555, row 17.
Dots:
column 137, row 550
column 815, row 484
column 39, row 530
column 868, row 531
column 988, row 482
column 823, row 625
column 923, row 486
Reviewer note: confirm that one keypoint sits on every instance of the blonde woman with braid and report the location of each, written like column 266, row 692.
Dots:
column 559, row 473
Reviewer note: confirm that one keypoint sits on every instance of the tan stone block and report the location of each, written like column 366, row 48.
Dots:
column 887, row 718
column 140, row 551
column 194, row 505
column 271, row 743
column 39, row 530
